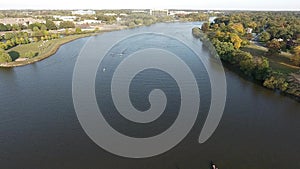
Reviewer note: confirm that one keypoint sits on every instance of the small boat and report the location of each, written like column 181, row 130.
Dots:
column 213, row 165
column 104, row 69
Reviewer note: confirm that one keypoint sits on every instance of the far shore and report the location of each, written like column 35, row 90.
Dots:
column 52, row 49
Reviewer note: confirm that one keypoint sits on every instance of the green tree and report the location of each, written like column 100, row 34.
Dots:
column 273, row 46
column 33, row 25
column 262, row 69
column 8, row 36
column 15, row 27
column 276, row 81
column 264, row 37
column 37, row 32
column 4, row 57
column 78, row 30
column 196, row 32
column 29, row 54
column 66, row 24
column 296, row 58
column 50, row 25
column 3, row 46
column 205, row 26
column 3, row 27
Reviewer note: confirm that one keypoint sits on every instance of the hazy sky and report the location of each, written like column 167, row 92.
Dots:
column 150, row 4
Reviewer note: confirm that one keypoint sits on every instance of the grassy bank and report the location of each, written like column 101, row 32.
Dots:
column 42, row 50
column 280, row 62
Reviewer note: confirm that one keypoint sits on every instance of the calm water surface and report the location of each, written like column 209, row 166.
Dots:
column 39, row 128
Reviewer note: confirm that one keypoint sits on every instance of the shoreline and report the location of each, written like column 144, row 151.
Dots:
column 43, row 56
column 53, row 49
column 233, row 68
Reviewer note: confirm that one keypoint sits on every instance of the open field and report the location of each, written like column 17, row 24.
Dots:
column 41, row 49
column 280, row 62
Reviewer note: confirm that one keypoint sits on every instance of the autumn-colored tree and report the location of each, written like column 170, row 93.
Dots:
column 273, row 46
column 238, row 28
column 236, row 40
column 252, row 25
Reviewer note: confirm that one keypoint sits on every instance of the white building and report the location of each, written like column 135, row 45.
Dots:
column 89, row 21
column 110, row 14
column 123, row 14
column 83, row 12
column 172, row 13
column 65, row 18
column 139, row 11
column 249, row 30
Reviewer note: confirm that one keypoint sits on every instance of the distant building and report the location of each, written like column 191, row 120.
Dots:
column 118, row 19
column 65, row 18
column 172, row 13
column 123, row 14
column 280, row 40
column 249, row 30
column 159, row 12
column 213, row 12
column 139, row 11
column 83, row 12
column 89, row 21
column 110, row 14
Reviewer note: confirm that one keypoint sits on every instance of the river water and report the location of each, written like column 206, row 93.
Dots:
column 39, row 127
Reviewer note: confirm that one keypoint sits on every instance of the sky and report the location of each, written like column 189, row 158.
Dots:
column 153, row 4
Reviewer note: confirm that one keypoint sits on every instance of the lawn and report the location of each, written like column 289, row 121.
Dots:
column 42, row 49
column 279, row 62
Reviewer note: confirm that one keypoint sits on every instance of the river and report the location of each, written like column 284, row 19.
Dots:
column 39, row 127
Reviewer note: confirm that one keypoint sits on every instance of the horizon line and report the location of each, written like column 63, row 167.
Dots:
column 262, row 10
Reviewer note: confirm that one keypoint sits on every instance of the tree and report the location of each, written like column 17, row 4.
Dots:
column 37, row 32
column 8, row 26
column 3, row 46
column 29, row 54
column 9, row 44
column 262, row 69
column 276, row 81
column 196, row 32
column 138, row 21
column 3, row 27
column 15, row 27
column 4, row 57
column 247, row 66
column 33, row 25
column 44, row 30
column 238, row 28
column 296, row 58
column 8, row 36
column 224, row 49
column 50, row 25
column 66, row 24
column 252, row 25
column 273, row 46
column 236, row 40
column 205, row 26
column 264, row 37
column 78, row 30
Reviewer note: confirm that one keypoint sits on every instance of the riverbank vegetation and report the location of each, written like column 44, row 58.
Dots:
column 33, row 52
column 264, row 46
